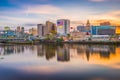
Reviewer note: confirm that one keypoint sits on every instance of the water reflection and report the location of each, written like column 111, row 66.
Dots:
column 63, row 52
column 60, row 62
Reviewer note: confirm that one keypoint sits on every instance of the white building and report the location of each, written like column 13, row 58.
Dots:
column 63, row 26
column 79, row 36
column 100, row 38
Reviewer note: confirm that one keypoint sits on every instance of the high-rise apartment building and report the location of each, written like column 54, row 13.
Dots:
column 63, row 26
column 42, row 30
column 18, row 29
column 22, row 29
column 51, row 27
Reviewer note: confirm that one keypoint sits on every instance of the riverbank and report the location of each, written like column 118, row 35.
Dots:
column 14, row 43
column 68, row 42
column 83, row 42
column 94, row 42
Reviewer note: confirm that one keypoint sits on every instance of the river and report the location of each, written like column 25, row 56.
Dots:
column 59, row 62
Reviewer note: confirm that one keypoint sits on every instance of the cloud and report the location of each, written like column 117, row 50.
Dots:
column 112, row 15
column 42, row 9
column 30, row 14
column 40, row 13
column 18, row 2
column 9, row 20
column 104, row 0
column 77, row 23
column 115, row 14
column 97, row 0
column 30, row 24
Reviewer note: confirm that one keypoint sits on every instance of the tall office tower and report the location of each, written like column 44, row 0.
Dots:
column 42, row 30
column 88, row 27
column 18, row 29
column 22, row 29
column 63, row 26
column 50, row 27
column 22, row 32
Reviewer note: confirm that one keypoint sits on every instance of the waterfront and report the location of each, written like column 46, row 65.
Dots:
column 60, row 62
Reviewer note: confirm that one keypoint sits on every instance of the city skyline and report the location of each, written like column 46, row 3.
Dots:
column 28, row 13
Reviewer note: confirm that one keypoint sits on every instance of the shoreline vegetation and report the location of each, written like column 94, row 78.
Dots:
column 52, row 39
column 59, row 42
column 55, row 38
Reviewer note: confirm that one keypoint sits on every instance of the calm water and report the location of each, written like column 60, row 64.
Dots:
column 60, row 62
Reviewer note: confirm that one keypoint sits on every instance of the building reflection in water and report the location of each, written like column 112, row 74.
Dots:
column 40, row 50
column 47, row 50
column 62, row 52
column 15, row 49
column 104, row 51
column 88, row 53
column 50, row 51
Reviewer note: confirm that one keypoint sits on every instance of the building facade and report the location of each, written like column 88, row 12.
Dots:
column 63, row 26
column 7, row 34
column 42, row 30
column 81, row 28
column 79, row 36
column 51, row 27
column 105, row 23
column 18, row 29
column 88, row 26
column 103, row 30
column 33, row 31
column 117, row 30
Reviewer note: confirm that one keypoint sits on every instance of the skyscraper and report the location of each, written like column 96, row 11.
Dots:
column 42, row 30
column 50, row 27
column 22, row 29
column 87, row 26
column 22, row 32
column 18, row 29
column 63, row 26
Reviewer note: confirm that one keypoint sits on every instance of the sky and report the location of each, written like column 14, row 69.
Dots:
column 28, row 13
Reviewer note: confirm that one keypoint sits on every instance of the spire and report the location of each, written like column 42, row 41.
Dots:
column 88, row 23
